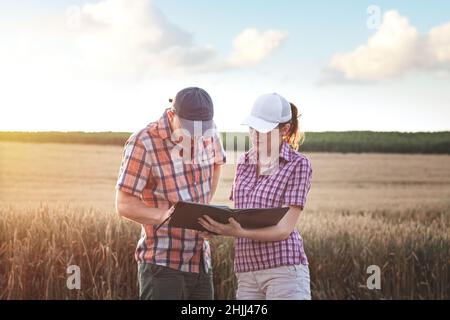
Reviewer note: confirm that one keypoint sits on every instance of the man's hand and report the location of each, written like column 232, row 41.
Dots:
column 167, row 214
column 232, row 229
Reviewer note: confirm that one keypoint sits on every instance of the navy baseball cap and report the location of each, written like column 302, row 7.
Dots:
column 195, row 109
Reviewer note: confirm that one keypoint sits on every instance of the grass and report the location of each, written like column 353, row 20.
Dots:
column 37, row 244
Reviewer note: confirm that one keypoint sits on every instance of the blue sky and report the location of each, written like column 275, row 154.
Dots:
column 306, row 51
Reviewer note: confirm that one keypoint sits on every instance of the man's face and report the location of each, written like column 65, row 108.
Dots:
column 175, row 123
column 178, row 131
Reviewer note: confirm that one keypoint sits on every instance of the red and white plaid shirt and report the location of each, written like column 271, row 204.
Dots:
column 152, row 170
column 287, row 186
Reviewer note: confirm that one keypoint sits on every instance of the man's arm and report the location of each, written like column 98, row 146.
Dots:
column 132, row 208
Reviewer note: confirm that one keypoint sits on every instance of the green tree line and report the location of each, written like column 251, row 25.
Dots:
column 348, row 141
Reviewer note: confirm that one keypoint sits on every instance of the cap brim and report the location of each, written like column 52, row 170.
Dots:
column 205, row 128
column 259, row 125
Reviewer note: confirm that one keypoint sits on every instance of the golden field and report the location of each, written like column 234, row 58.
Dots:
column 390, row 210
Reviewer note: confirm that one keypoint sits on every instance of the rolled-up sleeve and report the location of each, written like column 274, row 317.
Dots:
column 299, row 184
column 220, row 156
column 134, row 172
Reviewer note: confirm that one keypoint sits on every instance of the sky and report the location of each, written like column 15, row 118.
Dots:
column 112, row 65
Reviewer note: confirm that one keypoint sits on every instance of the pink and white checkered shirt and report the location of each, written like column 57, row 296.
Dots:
column 287, row 186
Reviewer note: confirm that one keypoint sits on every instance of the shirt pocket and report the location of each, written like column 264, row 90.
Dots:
column 242, row 192
column 275, row 198
column 271, row 193
column 205, row 162
column 206, row 156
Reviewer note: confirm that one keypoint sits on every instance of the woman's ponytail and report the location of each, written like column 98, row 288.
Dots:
column 294, row 137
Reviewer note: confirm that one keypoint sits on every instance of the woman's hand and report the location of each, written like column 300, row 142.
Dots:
column 232, row 229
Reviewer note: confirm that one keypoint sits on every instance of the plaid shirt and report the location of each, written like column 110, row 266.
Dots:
column 153, row 170
column 287, row 186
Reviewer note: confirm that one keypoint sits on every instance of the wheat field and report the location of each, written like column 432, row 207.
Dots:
column 389, row 210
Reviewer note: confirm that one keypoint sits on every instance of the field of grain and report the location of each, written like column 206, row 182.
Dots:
column 390, row 210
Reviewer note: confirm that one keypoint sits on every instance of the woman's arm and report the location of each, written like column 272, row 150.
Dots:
column 278, row 232
column 274, row 233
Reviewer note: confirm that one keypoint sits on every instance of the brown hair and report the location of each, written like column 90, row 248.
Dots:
column 294, row 137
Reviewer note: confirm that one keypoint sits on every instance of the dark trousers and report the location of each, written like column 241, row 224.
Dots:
column 162, row 283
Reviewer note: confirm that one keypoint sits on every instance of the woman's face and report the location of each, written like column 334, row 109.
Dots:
column 263, row 141
column 269, row 140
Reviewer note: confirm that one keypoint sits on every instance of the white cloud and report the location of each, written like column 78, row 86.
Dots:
column 438, row 42
column 135, row 36
column 123, row 38
column 252, row 46
column 78, row 68
column 395, row 49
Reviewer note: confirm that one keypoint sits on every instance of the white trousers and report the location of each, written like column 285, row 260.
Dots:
column 285, row 283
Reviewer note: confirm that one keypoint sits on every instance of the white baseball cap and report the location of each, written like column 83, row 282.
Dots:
column 268, row 111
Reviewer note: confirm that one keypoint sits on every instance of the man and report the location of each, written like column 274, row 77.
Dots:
column 176, row 158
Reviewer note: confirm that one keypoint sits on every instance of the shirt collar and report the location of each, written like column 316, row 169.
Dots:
column 163, row 126
column 286, row 151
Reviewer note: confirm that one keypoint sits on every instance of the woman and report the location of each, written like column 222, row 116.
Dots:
column 270, row 263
